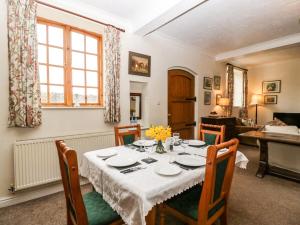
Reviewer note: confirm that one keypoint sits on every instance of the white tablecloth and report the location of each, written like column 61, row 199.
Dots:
column 134, row 194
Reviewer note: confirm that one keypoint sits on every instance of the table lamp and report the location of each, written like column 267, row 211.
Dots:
column 224, row 102
column 256, row 100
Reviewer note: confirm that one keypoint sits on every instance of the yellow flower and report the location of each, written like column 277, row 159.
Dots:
column 159, row 133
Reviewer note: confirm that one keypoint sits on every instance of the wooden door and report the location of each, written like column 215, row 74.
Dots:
column 181, row 103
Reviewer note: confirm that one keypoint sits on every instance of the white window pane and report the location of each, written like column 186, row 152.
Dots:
column 91, row 45
column 44, row 94
column 92, row 79
column 91, row 62
column 77, row 41
column 56, row 94
column 56, row 56
column 77, row 60
column 78, row 77
column 55, row 36
column 43, row 73
column 92, row 95
column 41, row 33
column 56, row 75
column 238, row 89
column 78, row 95
column 42, row 54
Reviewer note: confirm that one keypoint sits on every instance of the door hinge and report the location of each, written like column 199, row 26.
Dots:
column 191, row 124
column 191, row 99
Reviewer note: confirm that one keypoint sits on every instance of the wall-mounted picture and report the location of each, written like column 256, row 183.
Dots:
column 218, row 96
column 270, row 99
column 273, row 86
column 207, row 97
column 217, row 82
column 207, row 83
column 139, row 64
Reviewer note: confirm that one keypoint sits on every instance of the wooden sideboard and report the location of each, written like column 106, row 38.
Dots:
column 229, row 122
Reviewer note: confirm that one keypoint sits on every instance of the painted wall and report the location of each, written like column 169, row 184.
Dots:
column 165, row 54
column 288, row 100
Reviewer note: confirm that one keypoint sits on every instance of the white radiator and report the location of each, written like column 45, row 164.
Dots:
column 36, row 161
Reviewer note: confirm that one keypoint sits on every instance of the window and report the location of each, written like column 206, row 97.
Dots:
column 238, row 86
column 70, row 66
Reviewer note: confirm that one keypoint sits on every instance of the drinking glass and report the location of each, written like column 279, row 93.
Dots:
column 176, row 136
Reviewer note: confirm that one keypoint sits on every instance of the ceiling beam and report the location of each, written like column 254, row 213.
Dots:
column 173, row 13
column 263, row 46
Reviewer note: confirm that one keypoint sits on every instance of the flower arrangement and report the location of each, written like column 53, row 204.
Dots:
column 159, row 133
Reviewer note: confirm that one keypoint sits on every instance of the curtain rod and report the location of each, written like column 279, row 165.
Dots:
column 237, row 67
column 76, row 14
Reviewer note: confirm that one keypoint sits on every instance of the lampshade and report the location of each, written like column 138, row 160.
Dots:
column 224, row 101
column 256, row 99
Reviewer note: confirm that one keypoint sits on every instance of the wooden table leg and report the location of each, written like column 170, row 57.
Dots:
column 263, row 161
column 151, row 217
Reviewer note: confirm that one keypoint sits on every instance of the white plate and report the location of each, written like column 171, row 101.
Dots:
column 196, row 143
column 107, row 153
column 188, row 160
column 121, row 161
column 145, row 143
column 167, row 169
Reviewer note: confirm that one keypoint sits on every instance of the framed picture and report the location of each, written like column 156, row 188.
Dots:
column 139, row 64
column 273, row 86
column 270, row 99
column 218, row 96
column 217, row 82
column 207, row 83
column 207, row 97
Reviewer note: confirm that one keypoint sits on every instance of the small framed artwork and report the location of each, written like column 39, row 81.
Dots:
column 273, row 86
column 207, row 98
column 139, row 64
column 207, row 83
column 270, row 99
column 218, row 96
column 217, row 82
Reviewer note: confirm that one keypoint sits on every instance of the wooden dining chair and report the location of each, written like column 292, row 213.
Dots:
column 90, row 209
column 211, row 134
column 204, row 205
column 125, row 135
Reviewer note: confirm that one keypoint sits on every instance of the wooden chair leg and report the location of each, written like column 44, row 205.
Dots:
column 162, row 215
column 223, row 217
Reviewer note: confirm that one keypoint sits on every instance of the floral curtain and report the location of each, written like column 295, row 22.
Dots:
column 24, row 92
column 112, row 75
column 230, row 83
column 244, row 110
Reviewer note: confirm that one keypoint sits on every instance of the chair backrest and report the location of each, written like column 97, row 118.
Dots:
column 76, row 212
column 125, row 135
column 211, row 134
column 218, row 177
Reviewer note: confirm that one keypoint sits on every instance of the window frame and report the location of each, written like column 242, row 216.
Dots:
column 243, row 88
column 67, row 64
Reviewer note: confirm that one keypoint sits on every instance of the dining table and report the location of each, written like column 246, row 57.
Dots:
column 134, row 192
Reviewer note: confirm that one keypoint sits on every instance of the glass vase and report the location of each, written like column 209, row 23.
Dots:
column 160, row 148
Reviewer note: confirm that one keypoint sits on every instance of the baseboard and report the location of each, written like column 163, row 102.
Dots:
column 24, row 196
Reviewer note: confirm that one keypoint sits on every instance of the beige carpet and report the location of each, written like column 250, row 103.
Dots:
column 253, row 201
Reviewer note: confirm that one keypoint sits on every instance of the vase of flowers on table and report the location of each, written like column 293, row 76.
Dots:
column 160, row 134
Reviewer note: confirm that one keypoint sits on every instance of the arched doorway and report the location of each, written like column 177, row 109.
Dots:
column 181, row 102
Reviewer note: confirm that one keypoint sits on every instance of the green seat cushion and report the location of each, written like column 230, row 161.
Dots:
column 187, row 203
column 98, row 211
column 128, row 139
column 210, row 139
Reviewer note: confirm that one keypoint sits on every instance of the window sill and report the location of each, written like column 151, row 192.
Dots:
column 73, row 108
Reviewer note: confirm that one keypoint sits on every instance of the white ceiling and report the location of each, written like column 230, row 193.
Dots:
column 268, row 56
column 222, row 25
column 213, row 26
column 137, row 12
